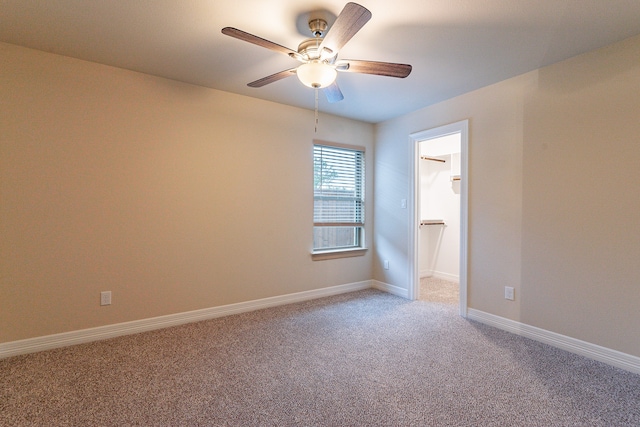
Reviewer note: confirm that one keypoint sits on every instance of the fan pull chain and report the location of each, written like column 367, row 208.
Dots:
column 316, row 112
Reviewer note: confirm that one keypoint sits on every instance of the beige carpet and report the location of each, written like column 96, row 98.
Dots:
column 361, row 359
column 439, row 290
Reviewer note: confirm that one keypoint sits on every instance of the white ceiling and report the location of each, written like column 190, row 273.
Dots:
column 454, row 45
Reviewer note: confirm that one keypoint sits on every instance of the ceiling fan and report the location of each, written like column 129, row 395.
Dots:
column 319, row 55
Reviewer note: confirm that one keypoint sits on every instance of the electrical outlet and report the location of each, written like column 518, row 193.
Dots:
column 105, row 298
column 509, row 293
column 386, row 264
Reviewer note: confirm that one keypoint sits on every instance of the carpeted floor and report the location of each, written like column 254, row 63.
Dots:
column 364, row 358
column 439, row 290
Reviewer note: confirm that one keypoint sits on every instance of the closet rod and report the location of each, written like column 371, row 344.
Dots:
column 432, row 159
column 431, row 222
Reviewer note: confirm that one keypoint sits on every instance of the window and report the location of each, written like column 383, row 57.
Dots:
column 338, row 197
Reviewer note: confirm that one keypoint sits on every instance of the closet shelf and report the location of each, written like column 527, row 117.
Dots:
column 432, row 222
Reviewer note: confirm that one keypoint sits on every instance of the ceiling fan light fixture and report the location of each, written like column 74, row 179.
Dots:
column 316, row 74
column 319, row 55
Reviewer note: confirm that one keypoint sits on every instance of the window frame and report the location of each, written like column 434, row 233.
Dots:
column 350, row 251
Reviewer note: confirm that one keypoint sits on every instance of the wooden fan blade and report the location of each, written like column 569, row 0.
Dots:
column 351, row 19
column 333, row 93
column 244, row 36
column 273, row 78
column 388, row 69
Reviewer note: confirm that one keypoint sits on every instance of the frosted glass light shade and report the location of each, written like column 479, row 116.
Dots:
column 316, row 74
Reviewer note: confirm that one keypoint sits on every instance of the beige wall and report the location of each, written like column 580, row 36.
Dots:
column 172, row 196
column 554, row 165
column 581, row 198
column 177, row 197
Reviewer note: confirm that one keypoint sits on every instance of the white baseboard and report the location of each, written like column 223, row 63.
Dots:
column 440, row 275
column 31, row 345
column 64, row 339
column 602, row 354
column 395, row 290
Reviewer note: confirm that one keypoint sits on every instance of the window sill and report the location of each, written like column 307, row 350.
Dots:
column 338, row 253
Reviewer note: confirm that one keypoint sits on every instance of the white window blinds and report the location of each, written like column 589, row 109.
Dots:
column 338, row 213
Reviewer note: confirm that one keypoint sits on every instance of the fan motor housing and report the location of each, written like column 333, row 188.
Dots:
column 310, row 48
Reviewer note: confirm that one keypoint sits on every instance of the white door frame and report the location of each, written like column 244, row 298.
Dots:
column 461, row 127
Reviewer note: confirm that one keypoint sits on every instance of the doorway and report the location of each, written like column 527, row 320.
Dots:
column 439, row 224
